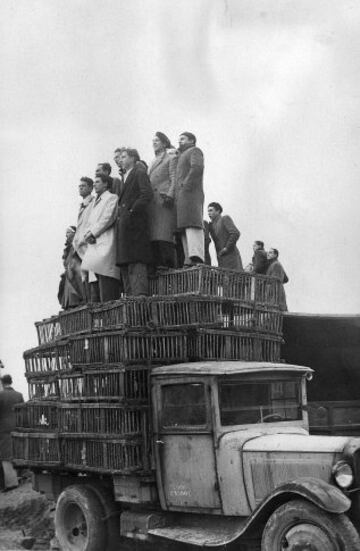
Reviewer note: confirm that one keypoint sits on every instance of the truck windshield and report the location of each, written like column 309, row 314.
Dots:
column 259, row 402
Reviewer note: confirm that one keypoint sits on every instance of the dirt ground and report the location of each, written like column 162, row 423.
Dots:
column 26, row 519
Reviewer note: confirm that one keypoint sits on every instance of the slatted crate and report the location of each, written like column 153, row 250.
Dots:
column 43, row 387
column 37, row 416
column 47, row 359
column 217, row 282
column 75, row 321
column 129, row 347
column 119, row 383
column 211, row 344
column 48, row 330
column 268, row 320
column 122, row 314
column 116, row 419
column 107, row 455
column 33, row 449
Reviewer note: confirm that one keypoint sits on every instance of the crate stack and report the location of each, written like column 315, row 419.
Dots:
column 89, row 378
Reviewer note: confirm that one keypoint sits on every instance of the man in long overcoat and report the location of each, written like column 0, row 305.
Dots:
column 189, row 198
column 8, row 398
column 224, row 234
column 133, row 237
column 275, row 269
column 100, row 256
column 161, row 208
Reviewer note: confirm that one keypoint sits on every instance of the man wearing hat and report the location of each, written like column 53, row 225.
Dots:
column 189, row 197
column 8, row 398
column 161, row 208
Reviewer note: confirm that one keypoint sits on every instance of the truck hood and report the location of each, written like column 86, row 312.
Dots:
column 290, row 443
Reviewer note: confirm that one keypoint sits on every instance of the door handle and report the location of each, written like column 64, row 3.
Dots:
column 160, row 442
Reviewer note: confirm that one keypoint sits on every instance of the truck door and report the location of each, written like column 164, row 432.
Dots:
column 186, row 469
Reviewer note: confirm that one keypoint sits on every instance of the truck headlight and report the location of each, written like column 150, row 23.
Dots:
column 343, row 474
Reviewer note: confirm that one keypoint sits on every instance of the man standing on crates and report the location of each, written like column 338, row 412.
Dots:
column 188, row 169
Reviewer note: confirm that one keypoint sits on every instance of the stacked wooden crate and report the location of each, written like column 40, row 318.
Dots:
column 89, row 378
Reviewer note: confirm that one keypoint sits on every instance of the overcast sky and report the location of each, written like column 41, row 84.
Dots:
column 270, row 88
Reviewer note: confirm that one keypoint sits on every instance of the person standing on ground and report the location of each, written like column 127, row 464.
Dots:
column 133, row 236
column 189, row 198
column 100, row 256
column 161, row 208
column 8, row 398
column 225, row 234
column 275, row 269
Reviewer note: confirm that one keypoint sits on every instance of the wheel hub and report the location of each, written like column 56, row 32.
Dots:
column 307, row 537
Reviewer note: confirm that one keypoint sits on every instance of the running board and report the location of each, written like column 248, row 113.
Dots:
column 199, row 530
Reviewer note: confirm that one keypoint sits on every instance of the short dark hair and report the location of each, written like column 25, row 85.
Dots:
column 105, row 179
column 260, row 244
column 6, row 380
column 87, row 181
column 190, row 136
column 216, row 206
column 133, row 153
column 106, row 167
column 275, row 251
column 119, row 149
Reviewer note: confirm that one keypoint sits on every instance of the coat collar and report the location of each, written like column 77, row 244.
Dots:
column 102, row 196
column 157, row 161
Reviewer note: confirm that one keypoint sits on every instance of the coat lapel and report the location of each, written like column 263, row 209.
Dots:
column 156, row 162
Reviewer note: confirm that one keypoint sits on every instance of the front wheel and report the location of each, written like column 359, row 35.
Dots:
column 301, row 526
column 79, row 521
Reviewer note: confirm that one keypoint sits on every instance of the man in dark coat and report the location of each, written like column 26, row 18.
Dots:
column 188, row 169
column 224, row 234
column 116, row 183
column 8, row 398
column 275, row 269
column 133, row 236
column 259, row 259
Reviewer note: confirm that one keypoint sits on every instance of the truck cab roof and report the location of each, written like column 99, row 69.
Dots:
column 227, row 368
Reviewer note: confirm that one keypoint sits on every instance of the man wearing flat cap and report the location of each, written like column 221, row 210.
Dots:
column 189, row 197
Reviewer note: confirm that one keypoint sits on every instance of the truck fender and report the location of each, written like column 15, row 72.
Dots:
column 322, row 494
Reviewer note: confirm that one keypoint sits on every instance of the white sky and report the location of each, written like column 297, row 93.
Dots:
column 271, row 89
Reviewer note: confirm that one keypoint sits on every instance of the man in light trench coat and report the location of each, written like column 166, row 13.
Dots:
column 100, row 255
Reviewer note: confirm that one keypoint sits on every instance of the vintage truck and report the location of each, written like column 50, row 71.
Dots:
column 172, row 421
column 234, row 465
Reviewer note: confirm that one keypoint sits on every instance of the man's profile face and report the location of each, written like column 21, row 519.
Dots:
column 212, row 213
column 99, row 169
column 84, row 189
column 117, row 158
column 99, row 185
column 126, row 161
column 184, row 140
column 256, row 246
column 271, row 254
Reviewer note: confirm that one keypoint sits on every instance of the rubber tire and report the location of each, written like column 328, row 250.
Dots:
column 299, row 511
column 89, row 504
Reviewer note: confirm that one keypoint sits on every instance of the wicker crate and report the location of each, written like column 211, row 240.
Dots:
column 48, row 358
column 211, row 344
column 75, row 321
column 43, row 387
column 116, row 419
column 120, row 384
column 268, row 320
column 129, row 347
column 36, row 449
column 48, row 330
column 37, row 416
column 217, row 282
column 122, row 314
column 108, row 455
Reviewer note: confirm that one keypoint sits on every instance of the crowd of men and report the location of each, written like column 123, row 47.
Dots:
column 146, row 219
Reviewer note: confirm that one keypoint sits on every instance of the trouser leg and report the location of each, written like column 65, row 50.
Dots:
column 167, row 254
column 185, row 248
column 10, row 475
column 195, row 243
column 94, row 291
column 109, row 288
column 124, row 272
column 138, row 276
